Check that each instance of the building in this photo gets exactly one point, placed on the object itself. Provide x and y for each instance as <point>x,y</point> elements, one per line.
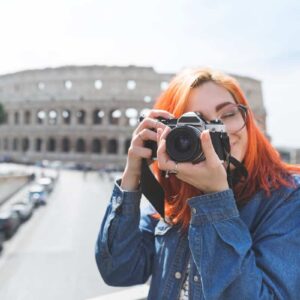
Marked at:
<point>84,115</point>
<point>289,154</point>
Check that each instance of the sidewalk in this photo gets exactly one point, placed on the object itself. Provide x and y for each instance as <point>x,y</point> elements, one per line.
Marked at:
<point>139,292</point>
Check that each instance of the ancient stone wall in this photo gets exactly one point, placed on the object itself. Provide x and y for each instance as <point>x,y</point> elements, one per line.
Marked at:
<point>84,115</point>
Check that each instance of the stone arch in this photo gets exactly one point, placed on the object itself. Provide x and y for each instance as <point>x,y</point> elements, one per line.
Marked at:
<point>27,117</point>
<point>25,144</point>
<point>40,116</point>
<point>80,145</point>
<point>65,144</point>
<point>51,145</point>
<point>15,144</point>
<point>131,115</point>
<point>52,117</point>
<point>16,117</point>
<point>98,116</point>
<point>115,116</point>
<point>80,116</point>
<point>96,146</point>
<point>66,116</point>
<point>38,144</point>
<point>5,143</point>
<point>112,146</point>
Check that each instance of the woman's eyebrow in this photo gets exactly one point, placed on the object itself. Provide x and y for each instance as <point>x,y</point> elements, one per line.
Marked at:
<point>221,105</point>
<point>218,108</point>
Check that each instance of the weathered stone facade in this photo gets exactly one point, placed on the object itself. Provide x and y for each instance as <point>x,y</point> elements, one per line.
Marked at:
<point>289,154</point>
<point>84,114</point>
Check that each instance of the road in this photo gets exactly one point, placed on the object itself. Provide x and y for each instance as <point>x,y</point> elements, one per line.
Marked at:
<point>52,255</point>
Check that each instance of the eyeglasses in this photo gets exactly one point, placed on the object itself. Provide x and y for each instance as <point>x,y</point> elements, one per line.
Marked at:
<point>233,117</point>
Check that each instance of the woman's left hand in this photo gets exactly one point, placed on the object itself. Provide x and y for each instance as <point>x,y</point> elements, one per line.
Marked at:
<point>209,176</point>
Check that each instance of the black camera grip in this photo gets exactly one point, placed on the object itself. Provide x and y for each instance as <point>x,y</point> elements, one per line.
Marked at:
<point>221,144</point>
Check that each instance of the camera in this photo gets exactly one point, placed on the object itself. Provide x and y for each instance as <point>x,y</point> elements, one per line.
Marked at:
<point>183,143</point>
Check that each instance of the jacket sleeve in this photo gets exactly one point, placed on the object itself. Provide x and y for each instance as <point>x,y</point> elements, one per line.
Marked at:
<point>232,263</point>
<point>125,245</point>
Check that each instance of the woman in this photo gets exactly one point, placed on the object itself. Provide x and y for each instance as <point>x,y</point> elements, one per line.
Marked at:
<point>219,242</point>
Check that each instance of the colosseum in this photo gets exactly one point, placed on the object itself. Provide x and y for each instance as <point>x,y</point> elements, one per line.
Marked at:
<point>84,115</point>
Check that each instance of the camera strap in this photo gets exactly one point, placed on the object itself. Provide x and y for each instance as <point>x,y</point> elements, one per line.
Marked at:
<point>239,173</point>
<point>151,189</point>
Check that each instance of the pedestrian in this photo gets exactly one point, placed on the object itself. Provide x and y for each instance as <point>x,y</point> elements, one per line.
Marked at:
<point>230,228</point>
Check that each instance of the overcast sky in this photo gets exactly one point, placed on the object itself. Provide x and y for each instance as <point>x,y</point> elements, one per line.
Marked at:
<point>255,38</point>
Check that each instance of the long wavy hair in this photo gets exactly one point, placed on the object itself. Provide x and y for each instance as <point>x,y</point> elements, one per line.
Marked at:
<point>265,168</point>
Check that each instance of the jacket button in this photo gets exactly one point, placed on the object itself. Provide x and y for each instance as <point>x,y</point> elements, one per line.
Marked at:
<point>177,275</point>
<point>194,210</point>
<point>119,199</point>
<point>196,278</point>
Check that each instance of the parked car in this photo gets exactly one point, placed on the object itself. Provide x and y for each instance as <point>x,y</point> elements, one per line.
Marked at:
<point>54,176</point>
<point>5,158</point>
<point>9,223</point>
<point>47,183</point>
<point>38,195</point>
<point>70,165</point>
<point>55,164</point>
<point>23,208</point>
<point>2,239</point>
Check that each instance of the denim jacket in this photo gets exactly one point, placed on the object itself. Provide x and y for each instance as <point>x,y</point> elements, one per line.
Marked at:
<point>251,252</point>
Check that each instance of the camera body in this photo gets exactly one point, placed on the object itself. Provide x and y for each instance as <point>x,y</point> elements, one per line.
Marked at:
<point>183,143</point>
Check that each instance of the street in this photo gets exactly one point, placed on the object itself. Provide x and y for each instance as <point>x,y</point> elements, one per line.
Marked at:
<point>52,254</point>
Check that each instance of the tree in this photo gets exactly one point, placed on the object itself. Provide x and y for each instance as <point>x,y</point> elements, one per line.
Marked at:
<point>2,114</point>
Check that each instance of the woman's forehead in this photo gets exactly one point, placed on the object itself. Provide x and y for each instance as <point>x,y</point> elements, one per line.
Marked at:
<point>209,97</point>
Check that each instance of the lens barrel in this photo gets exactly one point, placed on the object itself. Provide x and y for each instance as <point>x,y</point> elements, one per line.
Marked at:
<point>183,144</point>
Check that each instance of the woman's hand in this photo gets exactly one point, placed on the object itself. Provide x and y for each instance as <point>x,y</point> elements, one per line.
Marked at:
<point>208,176</point>
<point>137,151</point>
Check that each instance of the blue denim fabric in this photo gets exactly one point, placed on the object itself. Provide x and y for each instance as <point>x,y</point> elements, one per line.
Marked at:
<point>247,253</point>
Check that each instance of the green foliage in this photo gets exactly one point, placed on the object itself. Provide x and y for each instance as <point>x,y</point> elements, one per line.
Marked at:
<point>2,114</point>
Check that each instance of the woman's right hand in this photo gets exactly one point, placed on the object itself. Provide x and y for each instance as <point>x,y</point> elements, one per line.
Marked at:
<point>137,151</point>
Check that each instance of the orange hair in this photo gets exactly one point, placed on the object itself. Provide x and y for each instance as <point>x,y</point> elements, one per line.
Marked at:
<point>265,168</point>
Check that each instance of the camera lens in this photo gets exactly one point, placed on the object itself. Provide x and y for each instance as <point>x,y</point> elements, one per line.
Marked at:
<point>183,144</point>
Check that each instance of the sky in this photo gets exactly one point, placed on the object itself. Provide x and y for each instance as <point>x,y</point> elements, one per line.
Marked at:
<point>259,38</point>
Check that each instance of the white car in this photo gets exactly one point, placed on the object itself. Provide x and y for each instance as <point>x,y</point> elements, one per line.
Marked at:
<point>23,208</point>
<point>47,183</point>
<point>38,194</point>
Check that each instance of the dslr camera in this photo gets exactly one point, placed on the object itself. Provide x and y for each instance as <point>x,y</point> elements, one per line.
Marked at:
<point>183,143</point>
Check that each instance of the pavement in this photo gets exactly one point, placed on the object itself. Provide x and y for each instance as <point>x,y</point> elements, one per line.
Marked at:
<point>51,256</point>
<point>135,293</point>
